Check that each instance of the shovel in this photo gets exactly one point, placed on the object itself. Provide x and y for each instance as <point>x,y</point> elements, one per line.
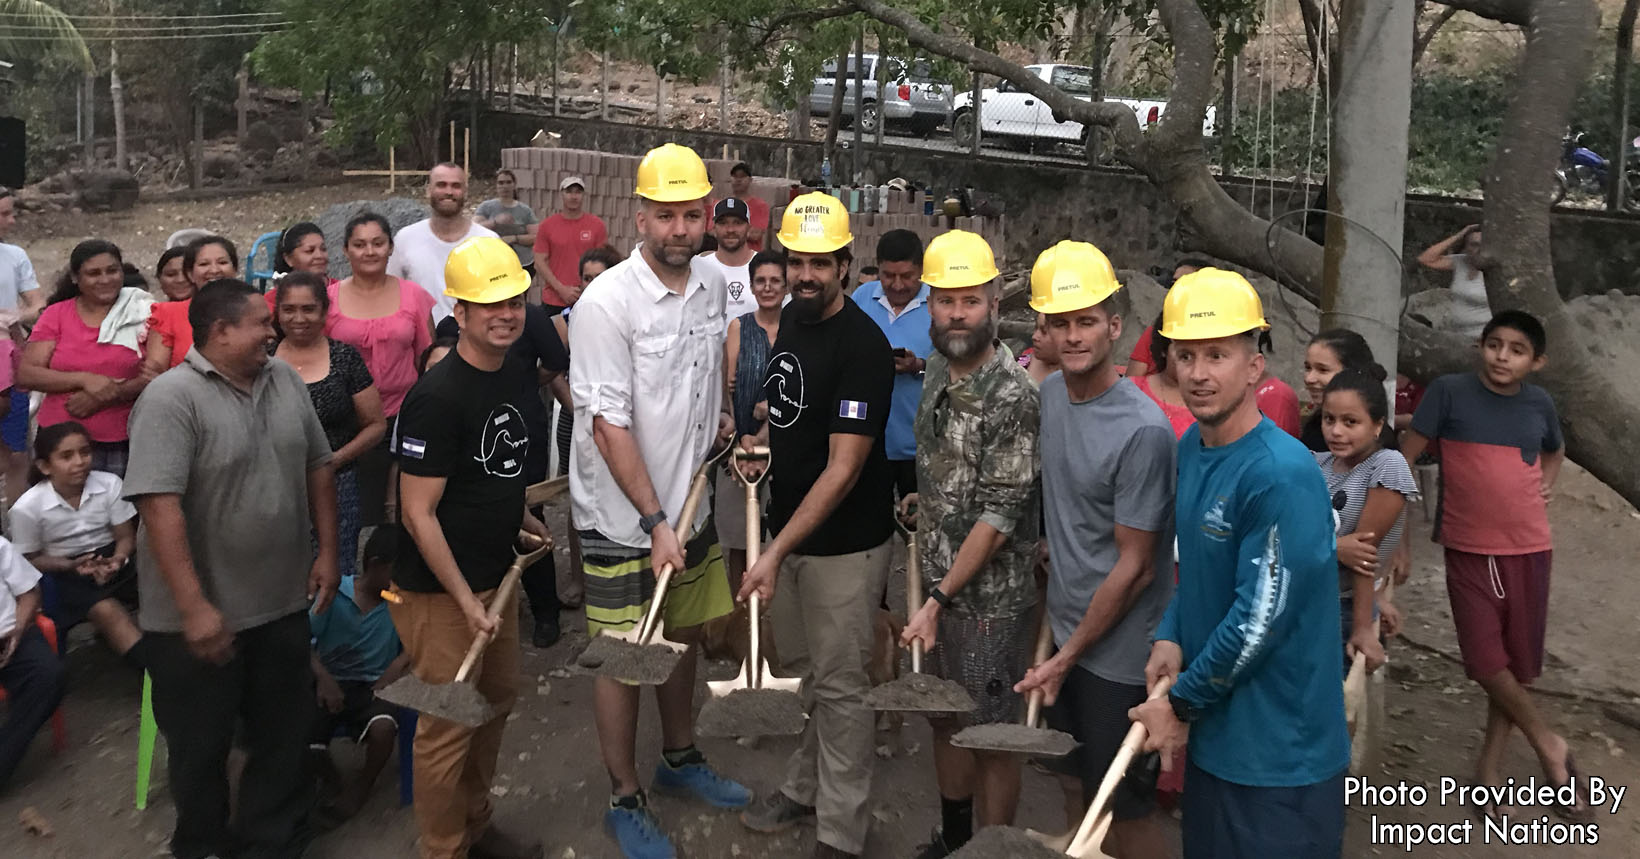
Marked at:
<point>918,692</point>
<point>641,655</point>
<point>1024,738</point>
<point>459,701</point>
<point>756,703</point>
<point>1006,842</point>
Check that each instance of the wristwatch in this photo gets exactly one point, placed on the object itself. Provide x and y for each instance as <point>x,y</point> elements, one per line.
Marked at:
<point>939,596</point>
<point>1182,709</point>
<point>648,523</point>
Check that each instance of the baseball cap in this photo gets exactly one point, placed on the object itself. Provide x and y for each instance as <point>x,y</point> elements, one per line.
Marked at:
<point>572,180</point>
<point>732,206</point>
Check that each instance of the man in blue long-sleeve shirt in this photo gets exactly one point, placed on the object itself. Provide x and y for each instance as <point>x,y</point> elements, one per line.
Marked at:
<point>1248,641</point>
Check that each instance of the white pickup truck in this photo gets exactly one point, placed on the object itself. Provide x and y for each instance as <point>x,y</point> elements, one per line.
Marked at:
<point>1009,112</point>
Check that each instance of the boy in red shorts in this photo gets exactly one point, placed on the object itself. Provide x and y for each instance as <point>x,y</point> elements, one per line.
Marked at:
<point>1500,454</point>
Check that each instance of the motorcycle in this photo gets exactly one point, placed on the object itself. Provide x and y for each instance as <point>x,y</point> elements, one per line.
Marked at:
<point>1580,169</point>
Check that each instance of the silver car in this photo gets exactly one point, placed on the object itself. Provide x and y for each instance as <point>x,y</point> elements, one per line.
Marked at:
<point>911,97</point>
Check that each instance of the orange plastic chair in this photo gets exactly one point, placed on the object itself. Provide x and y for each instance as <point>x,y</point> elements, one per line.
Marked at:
<point>59,729</point>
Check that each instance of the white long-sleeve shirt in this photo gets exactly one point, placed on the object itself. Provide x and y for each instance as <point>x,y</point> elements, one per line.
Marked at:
<point>650,360</point>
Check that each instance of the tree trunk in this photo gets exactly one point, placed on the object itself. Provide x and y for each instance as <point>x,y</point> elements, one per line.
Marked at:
<point>242,101</point>
<point>835,117</point>
<point>1367,176</point>
<point>90,118</point>
<point>116,93</point>
<point>1227,109</point>
<point>196,176</point>
<point>1599,406</point>
<point>1617,191</point>
<point>859,101</point>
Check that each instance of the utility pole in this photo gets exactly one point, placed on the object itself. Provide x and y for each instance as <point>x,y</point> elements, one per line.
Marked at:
<point>1617,190</point>
<point>1367,178</point>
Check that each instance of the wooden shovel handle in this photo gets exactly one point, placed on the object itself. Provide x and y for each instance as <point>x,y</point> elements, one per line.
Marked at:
<point>503,595</point>
<point>684,528</point>
<point>1044,646</point>
<point>1096,820</point>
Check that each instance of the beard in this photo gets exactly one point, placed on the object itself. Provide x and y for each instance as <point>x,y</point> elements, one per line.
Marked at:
<point>448,206</point>
<point>959,344</point>
<point>675,255</point>
<point>1215,418</point>
<point>805,308</point>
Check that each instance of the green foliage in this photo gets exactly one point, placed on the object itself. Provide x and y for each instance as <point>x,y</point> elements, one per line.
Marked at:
<point>387,63</point>
<point>31,28</point>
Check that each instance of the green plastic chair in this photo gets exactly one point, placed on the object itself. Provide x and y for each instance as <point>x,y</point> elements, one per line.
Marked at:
<point>146,733</point>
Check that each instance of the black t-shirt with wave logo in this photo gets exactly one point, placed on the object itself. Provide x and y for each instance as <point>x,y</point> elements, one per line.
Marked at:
<point>832,376</point>
<point>461,423</point>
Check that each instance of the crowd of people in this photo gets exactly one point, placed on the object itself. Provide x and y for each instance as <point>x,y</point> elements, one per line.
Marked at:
<point>1208,558</point>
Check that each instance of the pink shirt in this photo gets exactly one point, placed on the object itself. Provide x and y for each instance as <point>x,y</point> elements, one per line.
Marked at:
<point>8,363</point>
<point>77,351</point>
<point>389,344</point>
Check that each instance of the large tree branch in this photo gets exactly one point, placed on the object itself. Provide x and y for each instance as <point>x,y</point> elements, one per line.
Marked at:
<point>1517,12</point>
<point>1420,41</point>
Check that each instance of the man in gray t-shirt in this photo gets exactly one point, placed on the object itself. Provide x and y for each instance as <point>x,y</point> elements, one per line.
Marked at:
<point>1108,474</point>
<point>229,469</point>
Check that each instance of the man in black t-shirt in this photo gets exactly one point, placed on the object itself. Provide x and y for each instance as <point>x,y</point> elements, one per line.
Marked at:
<point>543,357</point>
<point>462,444</point>
<point>829,385</point>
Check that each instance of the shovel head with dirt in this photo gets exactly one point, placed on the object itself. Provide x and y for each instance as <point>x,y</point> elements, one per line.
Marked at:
<point>918,692</point>
<point>642,655</point>
<point>756,703</point>
<point>1026,738</point>
<point>459,701</point>
<point>1005,842</point>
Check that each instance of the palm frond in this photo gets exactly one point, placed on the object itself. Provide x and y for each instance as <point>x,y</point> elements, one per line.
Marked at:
<point>46,27</point>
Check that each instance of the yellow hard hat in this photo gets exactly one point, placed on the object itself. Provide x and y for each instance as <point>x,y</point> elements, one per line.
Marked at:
<point>957,259</point>
<point>672,174</point>
<point>1071,276</point>
<point>814,223</point>
<point>484,270</point>
<point>1210,303</point>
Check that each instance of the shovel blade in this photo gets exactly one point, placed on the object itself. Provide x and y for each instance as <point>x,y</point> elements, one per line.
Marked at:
<point>752,713</point>
<point>456,702</point>
<point>621,657</point>
<point>1015,738</point>
<point>920,693</point>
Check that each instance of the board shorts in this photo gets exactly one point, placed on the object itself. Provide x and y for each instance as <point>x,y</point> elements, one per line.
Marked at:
<point>1500,608</point>
<point>73,595</point>
<point>360,709</point>
<point>1095,711</point>
<point>1225,820</point>
<point>986,656</point>
<point>620,581</point>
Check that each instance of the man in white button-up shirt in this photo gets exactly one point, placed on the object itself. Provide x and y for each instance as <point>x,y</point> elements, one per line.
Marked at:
<point>647,384</point>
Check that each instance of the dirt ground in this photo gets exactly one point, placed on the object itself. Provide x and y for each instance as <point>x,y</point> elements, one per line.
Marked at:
<point>552,785</point>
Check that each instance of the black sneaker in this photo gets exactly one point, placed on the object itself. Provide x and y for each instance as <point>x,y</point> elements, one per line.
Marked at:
<point>546,633</point>
<point>935,848</point>
<point>776,812</point>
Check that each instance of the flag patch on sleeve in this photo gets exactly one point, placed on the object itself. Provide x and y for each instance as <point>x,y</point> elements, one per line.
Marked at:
<point>413,448</point>
<point>851,409</point>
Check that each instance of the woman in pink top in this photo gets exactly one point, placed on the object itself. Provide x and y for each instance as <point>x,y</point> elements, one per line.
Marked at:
<point>390,322</point>
<point>94,383</point>
<point>1160,385</point>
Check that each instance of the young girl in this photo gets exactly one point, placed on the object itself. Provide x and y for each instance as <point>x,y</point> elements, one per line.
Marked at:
<point>73,526</point>
<point>1370,488</point>
<point>1329,352</point>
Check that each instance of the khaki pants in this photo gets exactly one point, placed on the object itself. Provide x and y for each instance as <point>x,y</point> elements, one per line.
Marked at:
<point>455,764</point>
<point>822,615</point>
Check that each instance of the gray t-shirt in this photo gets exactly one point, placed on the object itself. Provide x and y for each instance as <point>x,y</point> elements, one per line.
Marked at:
<point>508,221</point>
<point>16,276</point>
<point>1106,462</point>
<point>240,462</point>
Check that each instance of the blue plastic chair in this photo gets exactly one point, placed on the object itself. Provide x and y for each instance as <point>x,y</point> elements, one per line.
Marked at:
<point>258,273</point>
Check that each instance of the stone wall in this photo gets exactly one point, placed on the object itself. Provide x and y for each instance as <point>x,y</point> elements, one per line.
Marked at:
<point>1117,210</point>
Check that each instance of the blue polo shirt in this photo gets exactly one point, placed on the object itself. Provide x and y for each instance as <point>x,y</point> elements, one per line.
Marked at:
<point>908,330</point>
<point>354,646</point>
<point>1256,611</point>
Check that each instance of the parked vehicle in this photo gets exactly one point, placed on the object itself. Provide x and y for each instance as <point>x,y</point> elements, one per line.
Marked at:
<point>1583,170</point>
<point>1007,111</point>
<point>911,97</point>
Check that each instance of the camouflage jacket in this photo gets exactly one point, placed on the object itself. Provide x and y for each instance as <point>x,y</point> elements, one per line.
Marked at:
<point>978,461</point>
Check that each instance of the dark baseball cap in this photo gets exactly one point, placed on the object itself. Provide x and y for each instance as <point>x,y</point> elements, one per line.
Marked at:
<point>731,207</point>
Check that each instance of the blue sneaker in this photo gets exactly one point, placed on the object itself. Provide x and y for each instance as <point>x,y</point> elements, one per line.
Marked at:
<point>702,782</point>
<point>638,833</point>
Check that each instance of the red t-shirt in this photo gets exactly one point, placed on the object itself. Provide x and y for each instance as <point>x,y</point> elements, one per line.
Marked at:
<point>169,320</point>
<point>1279,403</point>
<point>561,241</point>
<point>1141,349</point>
<point>1178,416</point>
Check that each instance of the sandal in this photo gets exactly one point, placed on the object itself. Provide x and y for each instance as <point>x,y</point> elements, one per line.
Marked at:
<point>1578,811</point>
<point>1487,808</point>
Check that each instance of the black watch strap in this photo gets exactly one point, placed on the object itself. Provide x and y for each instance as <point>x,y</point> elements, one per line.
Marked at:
<point>940,597</point>
<point>1182,709</point>
<point>648,523</point>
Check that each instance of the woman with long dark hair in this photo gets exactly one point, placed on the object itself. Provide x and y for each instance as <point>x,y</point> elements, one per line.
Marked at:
<point>84,377</point>
<point>170,335</point>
